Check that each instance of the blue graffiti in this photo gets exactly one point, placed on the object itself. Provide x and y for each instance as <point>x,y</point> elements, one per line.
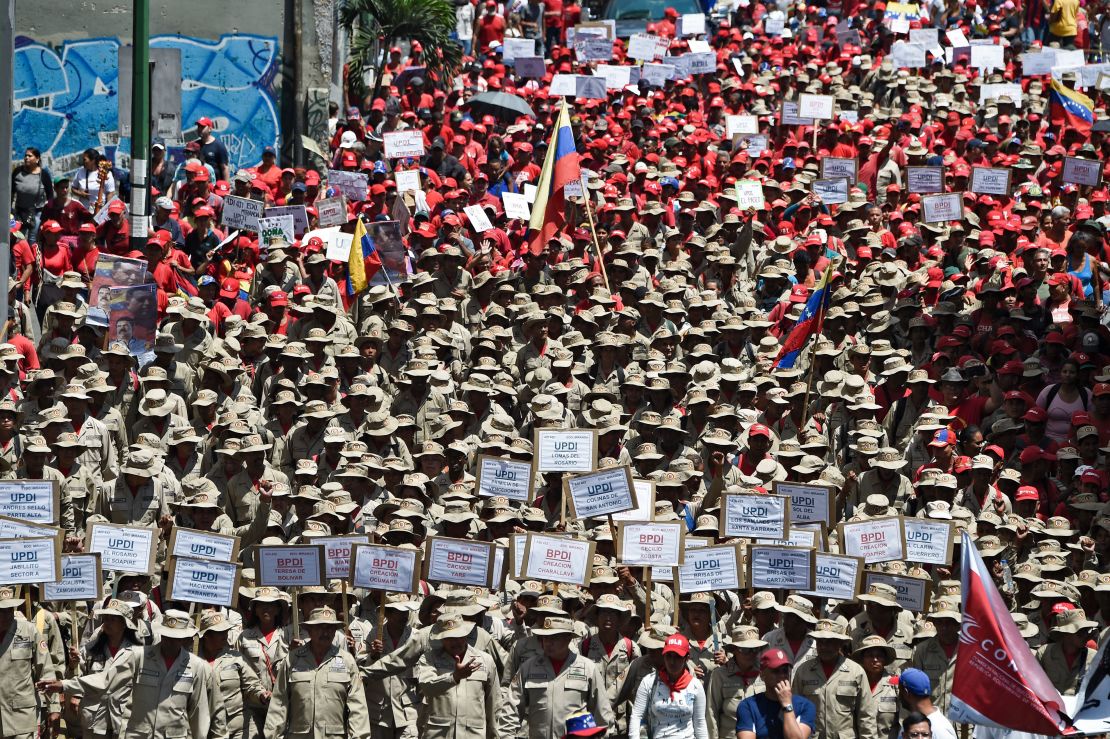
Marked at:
<point>66,99</point>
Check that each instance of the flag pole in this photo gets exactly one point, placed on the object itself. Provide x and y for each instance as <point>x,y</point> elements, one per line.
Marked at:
<point>820,322</point>
<point>396,295</point>
<point>593,232</point>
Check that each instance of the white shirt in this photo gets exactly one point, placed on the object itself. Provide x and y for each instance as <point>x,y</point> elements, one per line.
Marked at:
<point>681,716</point>
<point>941,727</point>
<point>90,183</point>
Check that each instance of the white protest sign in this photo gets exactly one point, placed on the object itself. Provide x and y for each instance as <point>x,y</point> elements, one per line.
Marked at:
<point>203,581</point>
<point>875,539</point>
<point>80,579</point>
<point>988,57</point>
<point>645,503</point>
<point>659,543</point>
<point>789,568</point>
<point>123,548</point>
<point>337,244</point>
<point>644,47</point>
<point>616,77</point>
<point>516,206</point>
<point>564,85</point>
<point>241,213</point>
<point>831,192</point>
<point>755,516</point>
<point>691,24</point>
<point>709,568</point>
<point>1068,59</point>
<point>352,184</point>
<point>558,559</point>
<point>518,545</point>
<point>907,55</point>
<point>941,208</point>
<point>337,554</point>
<point>837,167</point>
<point>14,528</point>
<point>512,47</point>
<point>929,542</point>
<point>203,545</point>
<point>735,124</point>
<point>588,87</point>
<point>407,179</point>
<point>990,180</point>
<point>956,38</point>
<point>530,67</point>
<point>459,561</point>
<point>600,493</point>
<point>1080,171</point>
<point>753,143</point>
<point>37,501</point>
<point>272,227</point>
<point>927,37</point>
<point>479,221</point>
<point>101,216</point>
<point>749,194</point>
<point>565,450</point>
<point>298,212</point>
<point>331,211</point>
<point>925,179</point>
<point>816,107</point>
<point>1037,63</point>
<point>913,592</point>
<point>504,477</point>
<point>593,49</point>
<point>774,26</point>
<point>34,560</point>
<point>379,567</point>
<point>699,45</point>
<point>791,116</point>
<point>297,566</point>
<point>798,537</point>
<point>656,74</point>
<point>996,90</point>
<point>837,576</point>
<point>808,503</point>
<point>530,191</point>
<point>403,144</point>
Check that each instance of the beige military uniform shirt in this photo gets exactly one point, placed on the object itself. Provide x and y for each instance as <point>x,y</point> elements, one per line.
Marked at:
<point>845,705</point>
<point>726,688</point>
<point>391,697</point>
<point>100,713</point>
<point>463,710</point>
<point>929,657</point>
<point>776,639</point>
<point>239,686</point>
<point>24,660</point>
<point>142,508</point>
<point>540,700</point>
<point>242,492</point>
<point>1064,677</point>
<point>885,693</point>
<point>316,701</point>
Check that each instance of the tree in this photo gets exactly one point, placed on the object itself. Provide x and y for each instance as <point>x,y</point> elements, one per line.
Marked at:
<point>375,25</point>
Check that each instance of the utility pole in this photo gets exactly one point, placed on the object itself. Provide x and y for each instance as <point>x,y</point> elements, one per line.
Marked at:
<point>7,52</point>
<point>140,125</point>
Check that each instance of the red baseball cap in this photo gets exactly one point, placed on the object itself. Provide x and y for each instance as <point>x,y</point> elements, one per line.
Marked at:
<point>229,288</point>
<point>677,644</point>
<point>799,294</point>
<point>758,429</point>
<point>279,298</point>
<point>205,121</point>
<point>773,659</point>
<point>1027,492</point>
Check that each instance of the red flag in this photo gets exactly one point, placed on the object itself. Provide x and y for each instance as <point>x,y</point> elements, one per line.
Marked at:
<point>998,681</point>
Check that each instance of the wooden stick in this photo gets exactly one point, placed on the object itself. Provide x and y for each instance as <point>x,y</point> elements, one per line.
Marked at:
<point>381,616</point>
<point>27,595</point>
<point>75,637</point>
<point>593,232</point>
<point>346,608</point>
<point>296,619</point>
<point>647,600</point>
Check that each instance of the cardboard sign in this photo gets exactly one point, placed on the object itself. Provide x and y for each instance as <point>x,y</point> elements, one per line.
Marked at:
<point>479,221</point>
<point>511,48</point>
<point>14,528</point>
<point>378,567</point>
<point>838,576</point>
<point>831,192</point>
<point>942,208</point>
<point>789,568</point>
<point>990,180</point>
<point>907,56</point>
<point>123,548</point>
<point>459,561</point>
<point>516,206</point>
<point>749,194</point>
<point>837,167</point>
<point>656,75</point>
<point>913,592</point>
<point>530,67</point>
<point>928,541</point>
<point>1037,63</point>
<point>558,559</point>
<point>815,107</point>
<point>691,24</point>
<point>753,143</point>
<point>404,144</point>
<point>290,566</point>
<point>996,90</point>
<point>593,49</point>
<point>506,477</point>
<point>589,87</point>
<point>36,560</point>
<point>616,76</point>
<point>807,538</point>
<point>600,493</point>
<point>518,546</point>
<point>774,26</point>
<point>353,185</point>
<point>203,581</point>
<point>925,179</point>
<point>736,124</point>
<point>755,516</point>
<point>987,57</point>
<point>659,543</point>
<point>273,227</point>
<point>407,180</point>
<point>298,212</point>
<point>337,554</point>
<point>700,62</point>
<point>1080,171</point>
<point>337,244</point>
<point>80,579</point>
<point>332,211</point>
<point>38,501</point>
<point>565,450</point>
<point>241,213</point>
<point>645,503</point>
<point>808,503</point>
<point>196,544</point>
<point>791,116</point>
<point>709,568</point>
<point>644,47</point>
<point>875,540</point>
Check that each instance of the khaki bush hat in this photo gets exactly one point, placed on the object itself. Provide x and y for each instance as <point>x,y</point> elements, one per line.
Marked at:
<point>176,625</point>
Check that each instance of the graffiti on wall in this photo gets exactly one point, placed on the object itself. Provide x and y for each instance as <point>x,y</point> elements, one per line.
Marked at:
<point>66,98</point>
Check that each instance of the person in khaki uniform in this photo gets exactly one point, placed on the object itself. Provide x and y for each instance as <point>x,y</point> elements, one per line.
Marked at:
<point>239,685</point>
<point>549,689</point>
<point>115,637</point>
<point>936,656</point>
<point>317,690</point>
<point>1067,657</point>
<point>884,617</point>
<point>263,646</point>
<point>845,706</point>
<point>608,648</point>
<point>173,693</point>
<point>462,695</point>
<point>733,681</point>
<point>24,660</point>
<point>391,698</point>
<point>875,655</point>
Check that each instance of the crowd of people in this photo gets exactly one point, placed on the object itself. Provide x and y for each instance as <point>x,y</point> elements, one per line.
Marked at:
<point>719,340</point>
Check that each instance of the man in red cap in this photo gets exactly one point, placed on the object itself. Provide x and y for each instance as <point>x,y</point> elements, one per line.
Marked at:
<point>212,151</point>
<point>776,713</point>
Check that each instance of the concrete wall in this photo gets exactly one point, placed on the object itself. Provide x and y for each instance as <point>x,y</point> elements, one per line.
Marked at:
<point>239,66</point>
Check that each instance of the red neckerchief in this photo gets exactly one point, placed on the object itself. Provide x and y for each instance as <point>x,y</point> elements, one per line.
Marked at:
<point>680,684</point>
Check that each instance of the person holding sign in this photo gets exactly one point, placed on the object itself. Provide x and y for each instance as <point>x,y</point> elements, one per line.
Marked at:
<point>318,691</point>
<point>837,686</point>
<point>670,702</point>
<point>239,684</point>
<point>462,694</point>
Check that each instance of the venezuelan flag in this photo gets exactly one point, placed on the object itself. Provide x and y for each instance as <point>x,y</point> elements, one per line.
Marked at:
<point>1070,108</point>
<point>363,260</point>
<point>809,323</point>
<point>560,166</point>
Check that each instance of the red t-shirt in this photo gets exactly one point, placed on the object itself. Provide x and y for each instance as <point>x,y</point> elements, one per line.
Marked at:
<point>57,260</point>
<point>490,28</point>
